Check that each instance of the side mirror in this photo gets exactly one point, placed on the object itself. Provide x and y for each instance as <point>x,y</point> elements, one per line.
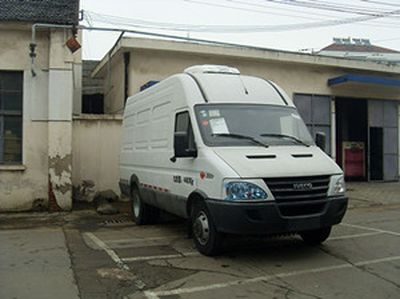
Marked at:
<point>181,146</point>
<point>320,140</point>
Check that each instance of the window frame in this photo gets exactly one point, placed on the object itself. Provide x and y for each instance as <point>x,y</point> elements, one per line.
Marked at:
<point>189,130</point>
<point>11,113</point>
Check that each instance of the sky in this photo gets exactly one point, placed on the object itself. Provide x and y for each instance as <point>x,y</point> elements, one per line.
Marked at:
<point>293,25</point>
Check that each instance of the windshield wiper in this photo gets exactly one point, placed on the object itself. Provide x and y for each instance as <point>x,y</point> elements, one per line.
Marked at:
<point>285,136</point>
<point>240,136</point>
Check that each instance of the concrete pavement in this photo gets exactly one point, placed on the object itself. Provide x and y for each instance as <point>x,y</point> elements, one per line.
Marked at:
<point>34,264</point>
<point>84,255</point>
<point>364,194</point>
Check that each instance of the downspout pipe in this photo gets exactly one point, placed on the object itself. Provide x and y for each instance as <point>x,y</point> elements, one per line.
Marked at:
<point>127,58</point>
<point>33,45</point>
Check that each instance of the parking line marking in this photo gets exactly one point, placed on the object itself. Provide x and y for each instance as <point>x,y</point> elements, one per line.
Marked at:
<point>152,257</point>
<point>371,229</point>
<point>354,236</point>
<point>158,257</point>
<point>157,294</point>
<point>142,239</point>
<point>108,250</point>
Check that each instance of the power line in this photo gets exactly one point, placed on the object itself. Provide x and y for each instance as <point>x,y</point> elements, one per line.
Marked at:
<point>246,9</point>
<point>380,2</point>
<point>113,20</point>
<point>330,7</point>
<point>279,3</point>
<point>174,37</point>
<point>273,7</point>
<point>266,6</point>
<point>347,5</point>
<point>335,5</point>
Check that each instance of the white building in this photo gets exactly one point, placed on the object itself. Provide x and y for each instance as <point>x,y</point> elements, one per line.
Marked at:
<point>37,94</point>
<point>354,102</point>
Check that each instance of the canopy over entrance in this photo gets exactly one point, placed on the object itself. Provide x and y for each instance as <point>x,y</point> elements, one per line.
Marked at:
<point>348,78</point>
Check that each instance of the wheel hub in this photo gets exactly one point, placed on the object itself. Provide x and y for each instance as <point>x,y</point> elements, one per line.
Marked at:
<point>201,229</point>
<point>136,205</point>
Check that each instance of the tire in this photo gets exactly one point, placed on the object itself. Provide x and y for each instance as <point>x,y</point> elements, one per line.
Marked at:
<point>206,238</point>
<point>142,213</point>
<point>316,237</point>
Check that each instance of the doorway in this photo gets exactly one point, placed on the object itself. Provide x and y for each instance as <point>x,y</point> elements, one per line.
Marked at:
<point>352,137</point>
<point>376,153</point>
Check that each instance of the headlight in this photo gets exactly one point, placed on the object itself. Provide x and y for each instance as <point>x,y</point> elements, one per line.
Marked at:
<point>237,191</point>
<point>337,185</point>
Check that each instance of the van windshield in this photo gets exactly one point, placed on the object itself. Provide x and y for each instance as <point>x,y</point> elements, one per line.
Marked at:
<point>244,125</point>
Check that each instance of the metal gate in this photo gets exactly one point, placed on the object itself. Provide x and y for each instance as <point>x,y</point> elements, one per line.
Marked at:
<point>383,114</point>
<point>315,110</point>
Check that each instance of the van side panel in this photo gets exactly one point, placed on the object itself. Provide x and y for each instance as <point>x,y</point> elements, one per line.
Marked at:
<point>147,146</point>
<point>147,142</point>
<point>147,137</point>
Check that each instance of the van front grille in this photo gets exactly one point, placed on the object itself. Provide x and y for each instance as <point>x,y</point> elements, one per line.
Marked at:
<point>299,195</point>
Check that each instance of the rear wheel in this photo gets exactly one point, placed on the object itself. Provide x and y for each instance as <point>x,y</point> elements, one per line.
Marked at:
<point>316,237</point>
<point>207,239</point>
<point>142,213</point>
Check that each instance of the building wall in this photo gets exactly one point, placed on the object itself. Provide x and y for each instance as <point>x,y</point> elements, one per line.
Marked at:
<point>95,151</point>
<point>294,78</point>
<point>21,186</point>
<point>14,48</point>
<point>114,86</point>
<point>47,118</point>
<point>146,65</point>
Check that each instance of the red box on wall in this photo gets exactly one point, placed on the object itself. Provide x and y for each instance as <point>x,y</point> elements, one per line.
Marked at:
<point>353,159</point>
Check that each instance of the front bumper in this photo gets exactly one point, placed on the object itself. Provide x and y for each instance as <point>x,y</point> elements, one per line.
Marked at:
<point>270,218</point>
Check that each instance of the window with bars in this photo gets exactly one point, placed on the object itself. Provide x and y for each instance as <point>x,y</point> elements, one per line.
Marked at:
<point>11,117</point>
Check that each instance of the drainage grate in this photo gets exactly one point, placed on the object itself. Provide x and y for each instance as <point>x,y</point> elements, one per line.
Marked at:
<point>116,222</point>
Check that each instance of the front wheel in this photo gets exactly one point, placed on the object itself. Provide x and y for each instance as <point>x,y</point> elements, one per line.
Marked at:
<point>207,239</point>
<point>317,236</point>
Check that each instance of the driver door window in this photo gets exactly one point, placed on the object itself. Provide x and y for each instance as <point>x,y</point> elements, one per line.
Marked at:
<point>183,124</point>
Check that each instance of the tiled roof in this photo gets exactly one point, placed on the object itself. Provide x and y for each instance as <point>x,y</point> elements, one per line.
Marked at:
<point>40,11</point>
<point>357,48</point>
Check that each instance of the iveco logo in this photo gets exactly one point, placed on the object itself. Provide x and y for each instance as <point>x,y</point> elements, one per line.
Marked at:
<point>302,186</point>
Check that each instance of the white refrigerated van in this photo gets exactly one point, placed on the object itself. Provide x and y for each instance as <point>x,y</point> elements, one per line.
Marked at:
<point>231,154</point>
